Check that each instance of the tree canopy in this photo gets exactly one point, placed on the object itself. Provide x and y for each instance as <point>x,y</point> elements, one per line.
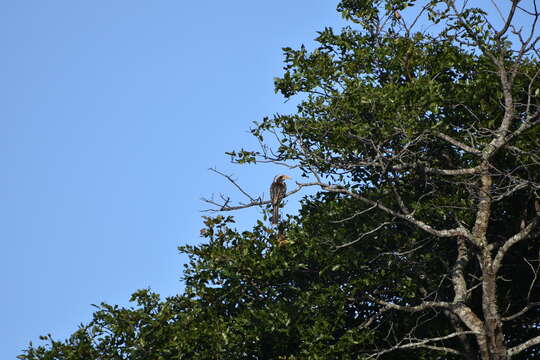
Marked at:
<point>419,125</point>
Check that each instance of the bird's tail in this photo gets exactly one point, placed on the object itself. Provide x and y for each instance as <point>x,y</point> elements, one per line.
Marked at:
<point>275,214</point>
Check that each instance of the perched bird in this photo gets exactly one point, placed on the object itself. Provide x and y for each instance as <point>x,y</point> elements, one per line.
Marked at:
<point>278,189</point>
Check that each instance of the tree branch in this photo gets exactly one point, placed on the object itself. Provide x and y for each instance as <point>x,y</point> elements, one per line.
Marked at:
<point>363,235</point>
<point>521,312</point>
<point>458,278</point>
<point>228,177</point>
<point>411,309</point>
<point>524,346</point>
<point>523,234</point>
<point>423,343</point>
<point>499,34</point>
<point>458,144</point>
<point>459,231</point>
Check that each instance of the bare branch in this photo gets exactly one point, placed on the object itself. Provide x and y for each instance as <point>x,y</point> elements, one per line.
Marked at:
<point>533,281</point>
<point>232,181</point>
<point>524,346</point>
<point>522,311</point>
<point>363,235</point>
<point>508,20</point>
<point>432,170</point>
<point>423,343</point>
<point>459,231</point>
<point>257,202</point>
<point>358,213</point>
<point>458,277</point>
<point>523,234</point>
<point>425,305</point>
<point>458,144</point>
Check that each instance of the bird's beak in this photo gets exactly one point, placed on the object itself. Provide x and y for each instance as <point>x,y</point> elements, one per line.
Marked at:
<point>287,177</point>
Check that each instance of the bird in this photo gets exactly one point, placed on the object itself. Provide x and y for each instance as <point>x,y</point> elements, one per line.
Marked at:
<point>278,189</point>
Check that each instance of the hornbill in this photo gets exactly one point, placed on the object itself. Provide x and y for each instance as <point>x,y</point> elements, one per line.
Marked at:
<point>278,189</point>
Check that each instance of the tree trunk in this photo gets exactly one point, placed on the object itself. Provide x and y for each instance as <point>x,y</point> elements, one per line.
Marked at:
<point>496,348</point>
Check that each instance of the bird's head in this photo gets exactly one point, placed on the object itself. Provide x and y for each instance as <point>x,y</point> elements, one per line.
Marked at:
<point>282,178</point>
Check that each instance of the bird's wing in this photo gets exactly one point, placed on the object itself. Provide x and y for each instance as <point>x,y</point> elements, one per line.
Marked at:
<point>274,192</point>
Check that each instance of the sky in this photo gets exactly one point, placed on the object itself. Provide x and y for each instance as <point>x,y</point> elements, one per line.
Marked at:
<point>111,113</point>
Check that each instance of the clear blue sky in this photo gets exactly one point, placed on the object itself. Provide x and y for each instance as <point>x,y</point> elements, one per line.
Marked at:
<point>111,112</point>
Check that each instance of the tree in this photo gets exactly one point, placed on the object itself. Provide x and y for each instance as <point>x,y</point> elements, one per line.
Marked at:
<point>438,131</point>
<point>423,240</point>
